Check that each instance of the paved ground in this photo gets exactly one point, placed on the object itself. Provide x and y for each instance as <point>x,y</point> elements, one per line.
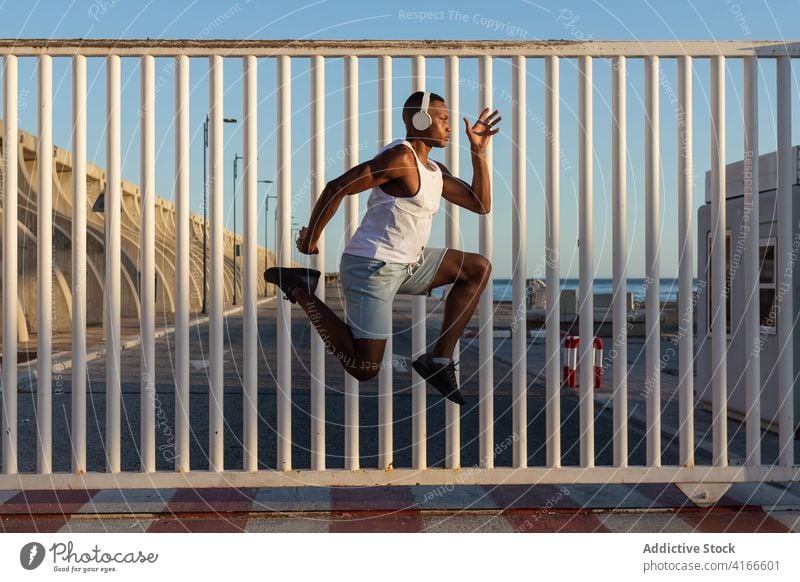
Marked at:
<point>233,406</point>
<point>233,358</point>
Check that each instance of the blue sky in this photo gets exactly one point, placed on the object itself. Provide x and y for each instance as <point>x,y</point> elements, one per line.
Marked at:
<point>510,20</point>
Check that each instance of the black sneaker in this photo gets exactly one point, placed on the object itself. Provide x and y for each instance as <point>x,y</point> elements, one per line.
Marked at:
<point>440,376</point>
<point>289,279</point>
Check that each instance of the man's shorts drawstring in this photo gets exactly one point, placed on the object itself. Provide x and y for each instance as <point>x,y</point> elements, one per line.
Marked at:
<point>418,263</point>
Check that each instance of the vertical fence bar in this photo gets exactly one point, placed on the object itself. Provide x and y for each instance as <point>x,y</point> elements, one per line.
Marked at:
<point>44,250</point>
<point>351,224</point>
<point>718,226</point>
<point>250,263</point>
<point>284,444</point>
<point>10,301</point>
<point>318,262</point>
<point>786,257</point>
<point>685,263</point>
<point>148,259</point>
<point>652,252</point>
<point>182,250</point>
<point>385,376</point>
<point>112,210</point>
<point>486,309</point>
<point>216,372</point>
<point>751,218</point>
<point>452,410</point>
<point>419,387</point>
<point>586,325</point>
<point>519,327</point>
<point>553,261</point>
<point>78,444</point>
<point>384,100</point>
<point>619,188</point>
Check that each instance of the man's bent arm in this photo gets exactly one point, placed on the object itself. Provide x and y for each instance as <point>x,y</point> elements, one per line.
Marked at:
<point>476,197</point>
<point>325,208</point>
<point>386,166</point>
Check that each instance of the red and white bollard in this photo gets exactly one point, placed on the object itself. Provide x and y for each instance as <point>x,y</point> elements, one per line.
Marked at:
<point>570,361</point>
<point>598,362</point>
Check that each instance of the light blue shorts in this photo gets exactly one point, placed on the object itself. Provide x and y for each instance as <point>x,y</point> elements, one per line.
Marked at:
<point>370,286</point>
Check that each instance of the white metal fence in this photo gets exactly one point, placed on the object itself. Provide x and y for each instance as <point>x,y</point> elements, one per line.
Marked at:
<point>217,52</point>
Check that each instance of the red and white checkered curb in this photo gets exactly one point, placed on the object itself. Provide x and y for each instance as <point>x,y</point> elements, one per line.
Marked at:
<point>509,508</point>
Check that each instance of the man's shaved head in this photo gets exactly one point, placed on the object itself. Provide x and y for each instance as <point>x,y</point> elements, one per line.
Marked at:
<point>412,105</point>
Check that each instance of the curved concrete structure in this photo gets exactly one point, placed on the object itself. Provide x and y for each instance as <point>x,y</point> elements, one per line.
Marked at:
<point>165,219</point>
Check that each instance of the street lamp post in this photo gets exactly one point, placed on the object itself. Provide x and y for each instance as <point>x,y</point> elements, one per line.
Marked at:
<point>295,230</point>
<point>236,159</point>
<point>266,223</point>
<point>205,203</point>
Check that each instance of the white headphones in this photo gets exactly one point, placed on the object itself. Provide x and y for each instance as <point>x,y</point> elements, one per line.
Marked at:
<point>421,119</point>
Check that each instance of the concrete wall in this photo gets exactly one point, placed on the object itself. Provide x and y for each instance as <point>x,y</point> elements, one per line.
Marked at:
<point>165,218</point>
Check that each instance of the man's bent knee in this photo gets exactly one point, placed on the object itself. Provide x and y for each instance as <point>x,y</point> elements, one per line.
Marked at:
<point>486,265</point>
<point>480,269</point>
<point>368,360</point>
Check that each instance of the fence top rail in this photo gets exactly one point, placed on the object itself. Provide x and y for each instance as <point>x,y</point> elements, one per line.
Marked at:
<point>397,48</point>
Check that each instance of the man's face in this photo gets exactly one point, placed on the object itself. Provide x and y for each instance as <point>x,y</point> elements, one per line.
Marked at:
<point>438,134</point>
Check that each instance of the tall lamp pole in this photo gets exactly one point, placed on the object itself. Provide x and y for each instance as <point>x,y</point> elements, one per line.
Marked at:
<point>266,223</point>
<point>295,229</point>
<point>205,203</point>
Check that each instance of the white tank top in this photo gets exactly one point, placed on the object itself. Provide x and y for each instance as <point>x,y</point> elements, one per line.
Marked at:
<point>396,229</point>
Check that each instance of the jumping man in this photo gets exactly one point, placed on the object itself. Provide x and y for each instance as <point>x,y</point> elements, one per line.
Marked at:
<point>387,254</point>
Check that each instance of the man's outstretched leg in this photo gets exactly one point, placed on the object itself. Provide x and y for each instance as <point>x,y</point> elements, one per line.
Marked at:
<point>468,273</point>
<point>361,358</point>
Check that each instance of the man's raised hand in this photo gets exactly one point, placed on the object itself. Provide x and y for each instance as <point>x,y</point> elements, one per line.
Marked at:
<point>483,129</point>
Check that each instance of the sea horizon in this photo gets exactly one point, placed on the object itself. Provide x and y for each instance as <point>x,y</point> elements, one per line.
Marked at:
<point>668,291</point>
